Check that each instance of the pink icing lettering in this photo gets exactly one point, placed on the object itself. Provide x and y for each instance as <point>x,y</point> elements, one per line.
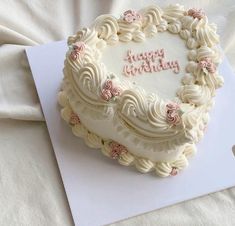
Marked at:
<point>128,56</point>
<point>126,70</point>
<point>160,53</point>
<point>149,63</point>
<point>144,56</point>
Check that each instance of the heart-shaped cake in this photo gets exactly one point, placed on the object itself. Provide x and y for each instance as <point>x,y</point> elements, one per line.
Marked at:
<point>140,87</point>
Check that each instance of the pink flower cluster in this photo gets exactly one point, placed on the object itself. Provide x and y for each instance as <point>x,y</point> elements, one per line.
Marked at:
<point>172,115</point>
<point>130,16</point>
<point>117,150</point>
<point>207,64</point>
<point>174,171</point>
<point>74,119</point>
<point>196,13</point>
<point>109,90</point>
<point>78,49</point>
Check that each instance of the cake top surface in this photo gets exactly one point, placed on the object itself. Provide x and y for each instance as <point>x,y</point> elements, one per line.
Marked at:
<point>155,65</point>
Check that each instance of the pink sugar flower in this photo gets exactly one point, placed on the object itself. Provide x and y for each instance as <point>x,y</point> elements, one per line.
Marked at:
<point>74,119</point>
<point>106,94</point>
<point>114,145</point>
<point>206,63</point>
<point>73,55</point>
<point>130,16</point>
<point>174,171</point>
<point>172,113</point>
<point>117,150</point>
<point>129,12</point>
<point>173,118</point>
<point>79,47</point>
<point>108,84</point>
<point>109,90</point>
<point>196,13</point>
<point>202,64</point>
<point>172,106</point>
<point>211,67</point>
<point>116,91</point>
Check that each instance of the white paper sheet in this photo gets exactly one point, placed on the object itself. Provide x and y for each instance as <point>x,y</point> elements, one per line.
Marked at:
<point>101,191</point>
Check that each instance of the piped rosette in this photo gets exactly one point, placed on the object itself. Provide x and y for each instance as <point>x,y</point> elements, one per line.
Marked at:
<point>130,26</point>
<point>110,90</point>
<point>173,114</point>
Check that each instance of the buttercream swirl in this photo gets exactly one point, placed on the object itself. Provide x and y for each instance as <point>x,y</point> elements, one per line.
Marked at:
<point>86,35</point>
<point>150,30</point>
<point>62,98</point>
<point>205,51</point>
<point>107,28</point>
<point>66,113</point>
<point>79,130</point>
<point>132,104</point>
<point>174,27</point>
<point>148,119</point>
<point>173,12</point>
<point>192,55</point>
<point>126,159</point>
<point>152,15</point>
<point>188,79</point>
<point>162,26</point>
<point>207,36</point>
<point>190,150</point>
<point>194,94</point>
<point>192,43</point>
<point>87,79</point>
<point>163,169</point>
<point>144,165</point>
<point>185,34</point>
<point>192,24</point>
<point>93,141</point>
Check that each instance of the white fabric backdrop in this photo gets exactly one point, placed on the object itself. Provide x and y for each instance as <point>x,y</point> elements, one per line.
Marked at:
<point>31,191</point>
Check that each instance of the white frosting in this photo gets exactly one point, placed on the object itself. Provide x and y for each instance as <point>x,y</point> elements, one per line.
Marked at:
<point>143,165</point>
<point>136,111</point>
<point>107,28</point>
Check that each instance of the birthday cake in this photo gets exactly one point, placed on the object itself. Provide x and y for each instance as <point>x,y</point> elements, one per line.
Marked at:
<point>140,87</point>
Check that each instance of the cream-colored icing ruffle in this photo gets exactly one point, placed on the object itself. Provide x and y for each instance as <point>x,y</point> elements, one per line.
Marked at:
<point>162,169</point>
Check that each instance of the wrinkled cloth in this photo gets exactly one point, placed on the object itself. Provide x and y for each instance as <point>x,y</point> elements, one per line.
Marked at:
<point>31,190</point>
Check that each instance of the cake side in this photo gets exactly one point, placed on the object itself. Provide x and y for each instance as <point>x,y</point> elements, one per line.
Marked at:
<point>149,126</point>
<point>118,152</point>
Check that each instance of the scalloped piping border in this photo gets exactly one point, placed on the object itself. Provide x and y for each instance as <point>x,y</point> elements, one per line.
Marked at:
<point>143,165</point>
